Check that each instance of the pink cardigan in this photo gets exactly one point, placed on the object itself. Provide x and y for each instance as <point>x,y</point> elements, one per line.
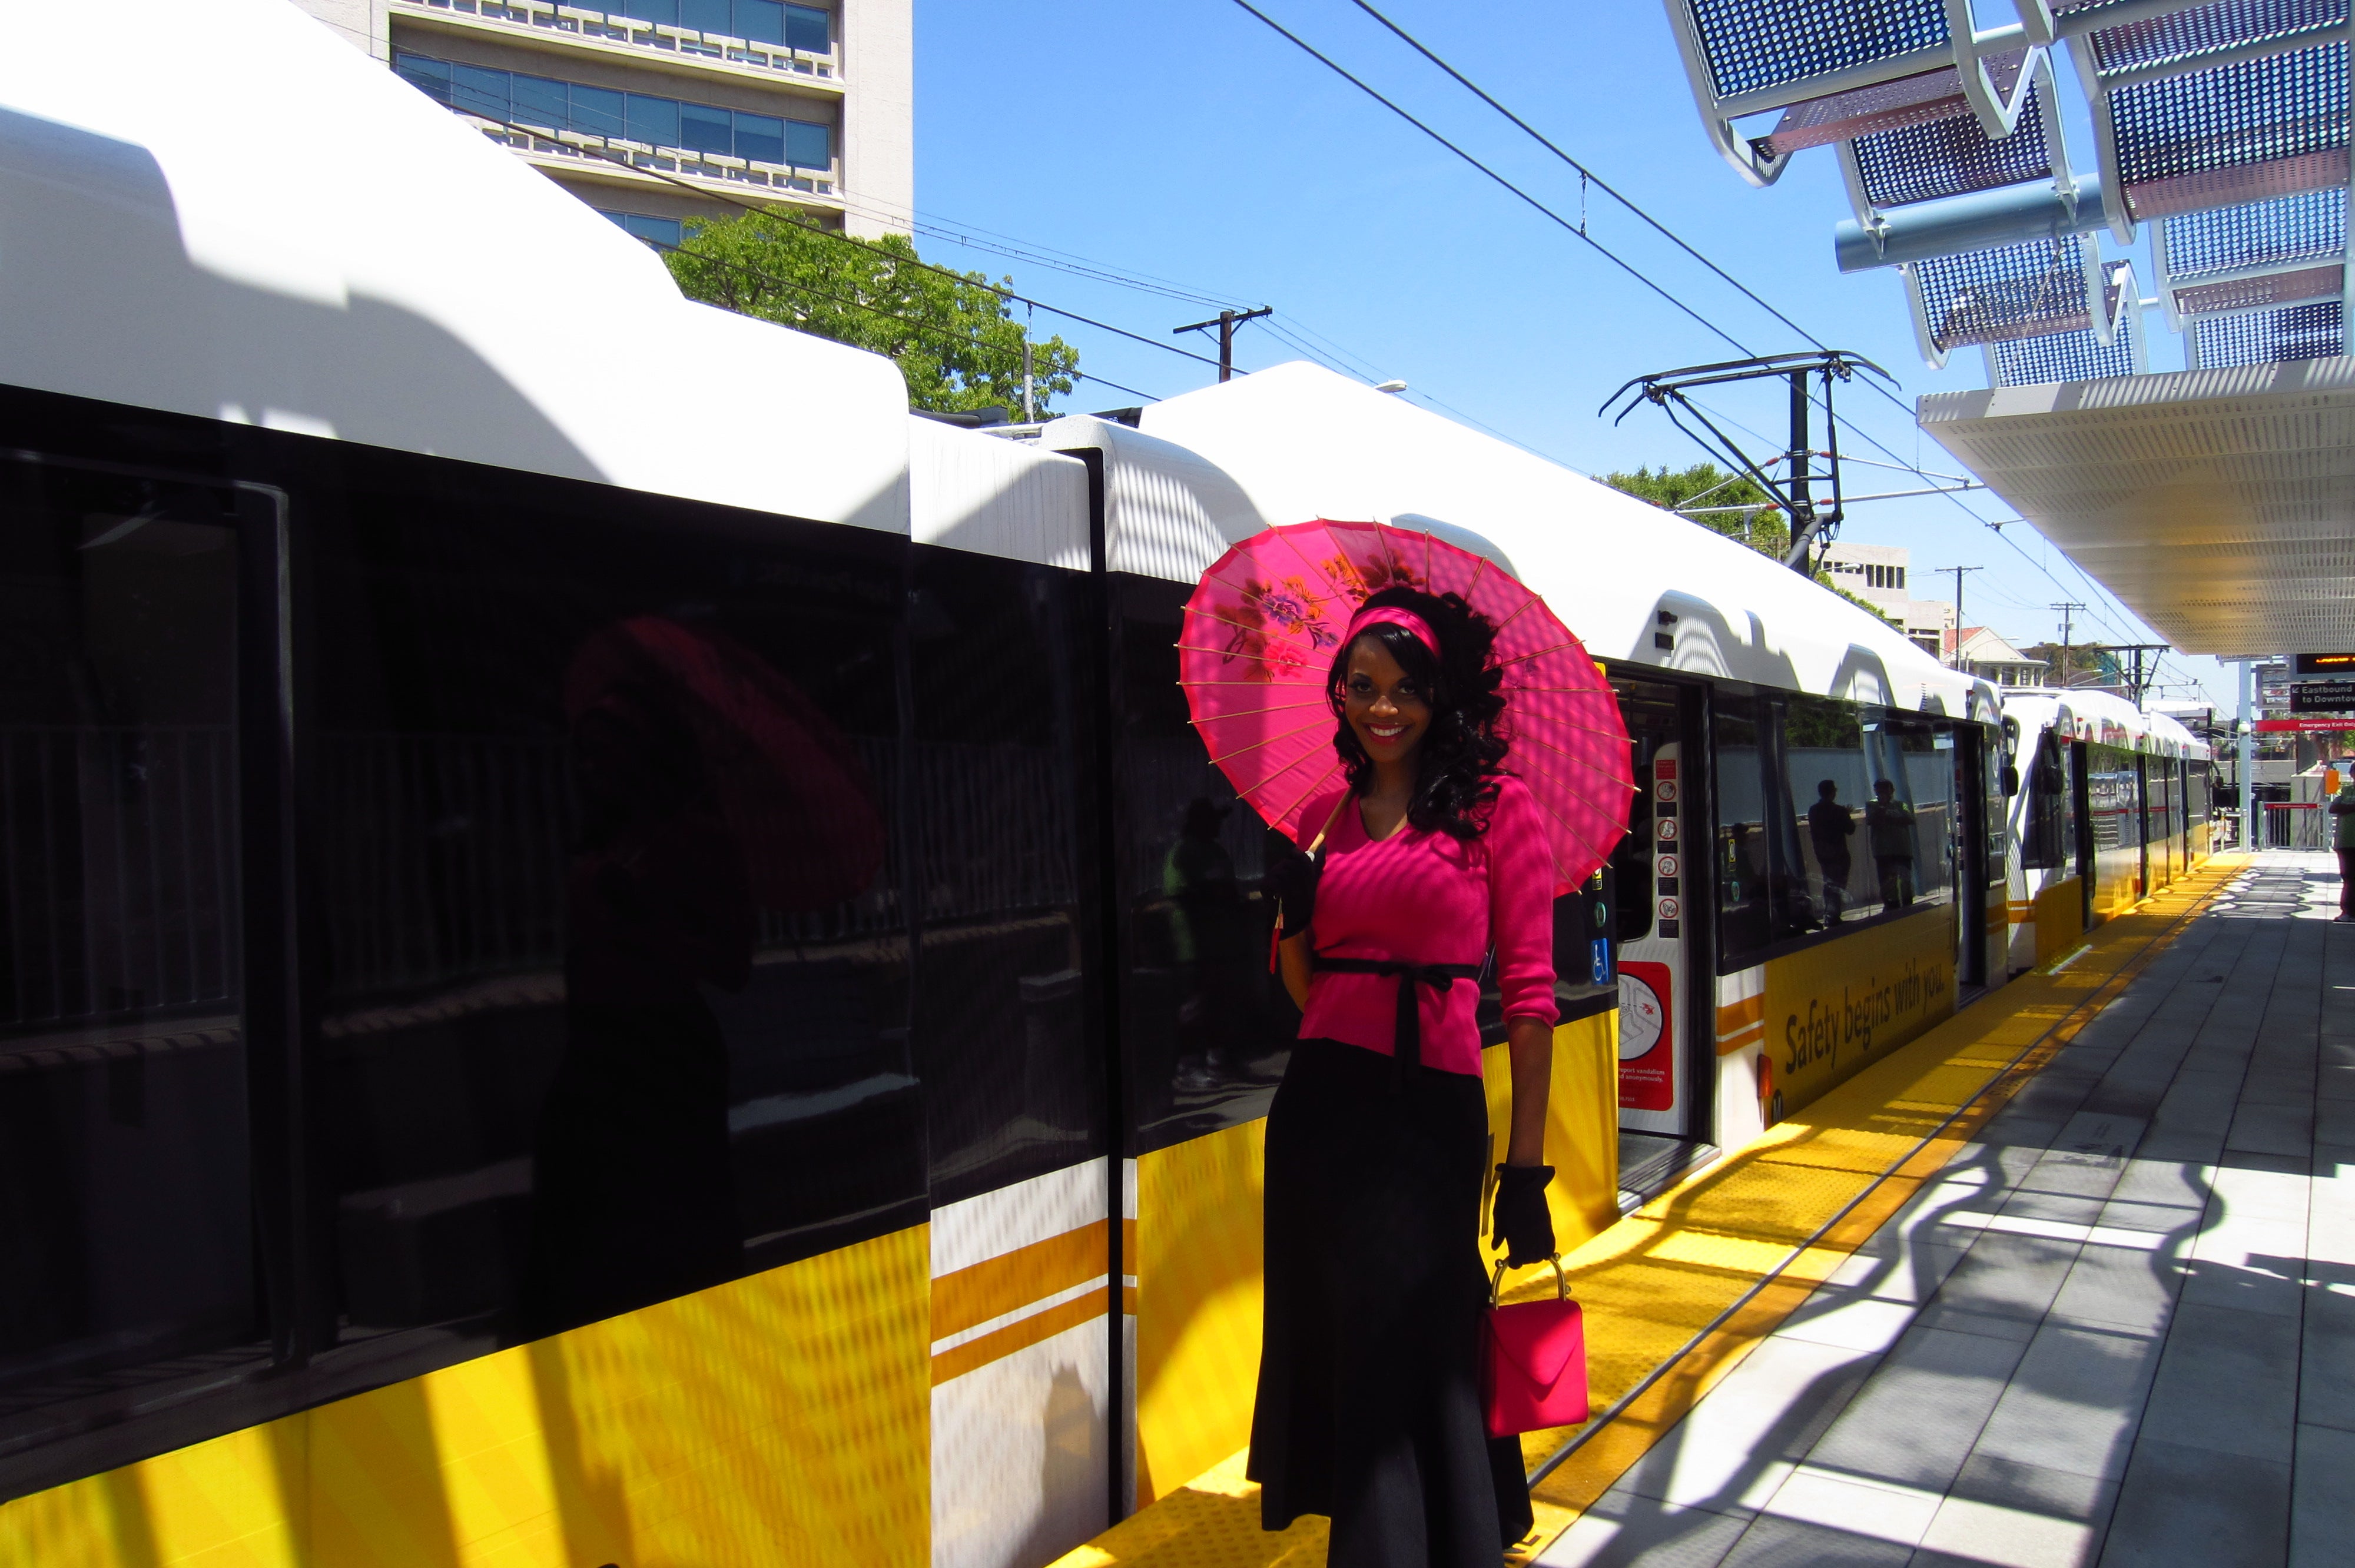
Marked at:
<point>1429,898</point>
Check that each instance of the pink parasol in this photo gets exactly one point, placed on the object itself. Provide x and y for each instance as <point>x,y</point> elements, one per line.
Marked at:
<point>1264,623</point>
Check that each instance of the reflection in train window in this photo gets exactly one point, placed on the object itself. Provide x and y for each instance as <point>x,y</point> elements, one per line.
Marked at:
<point>127,1258</point>
<point>616,987</point>
<point>2114,790</point>
<point>1208,1029</point>
<point>1828,814</point>
<point>1831,774</point>
<point>1744,866</point>
<point>2048,839</point>
<point>1012,1087</point>
<point>1654,715</point>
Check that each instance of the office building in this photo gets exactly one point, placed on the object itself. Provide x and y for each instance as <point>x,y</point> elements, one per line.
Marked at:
<point>1877,574</point>
<point>658,112</point>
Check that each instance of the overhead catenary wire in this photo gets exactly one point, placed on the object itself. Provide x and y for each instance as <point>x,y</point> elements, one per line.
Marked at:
<point>1600,248</point>
<point>1587,176</point>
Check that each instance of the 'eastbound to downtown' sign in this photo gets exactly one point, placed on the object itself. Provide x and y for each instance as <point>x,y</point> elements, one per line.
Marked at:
<point>2322,697</point>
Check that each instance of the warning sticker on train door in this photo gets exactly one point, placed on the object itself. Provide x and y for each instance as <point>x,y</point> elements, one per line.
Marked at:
<point>1648,1053</point>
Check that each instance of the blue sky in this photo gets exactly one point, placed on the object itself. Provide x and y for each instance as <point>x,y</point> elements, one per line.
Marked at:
<point>1185,140</point>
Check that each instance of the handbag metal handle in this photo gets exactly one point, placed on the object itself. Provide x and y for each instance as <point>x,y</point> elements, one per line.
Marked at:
<point>1561,1280</point>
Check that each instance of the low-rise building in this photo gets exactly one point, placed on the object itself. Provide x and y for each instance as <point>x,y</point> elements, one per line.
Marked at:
<point>1984,653</point>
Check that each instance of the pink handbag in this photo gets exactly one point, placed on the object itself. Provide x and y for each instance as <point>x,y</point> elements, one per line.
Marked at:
<point>1533,1361</point>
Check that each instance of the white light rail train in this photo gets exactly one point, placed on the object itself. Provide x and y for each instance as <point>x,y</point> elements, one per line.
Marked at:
<point>618,951</point>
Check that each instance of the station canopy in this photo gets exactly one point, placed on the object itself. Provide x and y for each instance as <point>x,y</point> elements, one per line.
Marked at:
<point>2222,127</point>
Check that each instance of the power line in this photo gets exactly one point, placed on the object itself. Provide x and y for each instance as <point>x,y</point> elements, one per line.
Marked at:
<point>1587,175</point>
<point>938,332</point>
<point>606,156</point>
<point>1584,174</point>
<point>956,231</point>
<point>1600,248</point>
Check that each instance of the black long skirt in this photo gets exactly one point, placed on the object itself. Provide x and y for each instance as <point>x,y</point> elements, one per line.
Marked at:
<point>1369,1378</point>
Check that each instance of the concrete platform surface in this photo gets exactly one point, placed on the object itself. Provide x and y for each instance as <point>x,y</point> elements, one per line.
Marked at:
<point>2116,1330</point>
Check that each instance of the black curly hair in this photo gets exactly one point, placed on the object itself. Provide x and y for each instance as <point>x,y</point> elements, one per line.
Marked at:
<point>1463,752</point>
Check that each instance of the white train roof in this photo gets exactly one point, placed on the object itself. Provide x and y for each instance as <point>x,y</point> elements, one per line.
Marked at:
<point>997,497</point>
<point>2102,718</point>
<point>222,208</point>
<point>1297,441</point>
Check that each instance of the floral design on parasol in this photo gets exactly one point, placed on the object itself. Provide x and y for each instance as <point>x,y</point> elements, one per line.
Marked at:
<point>1260,633</point>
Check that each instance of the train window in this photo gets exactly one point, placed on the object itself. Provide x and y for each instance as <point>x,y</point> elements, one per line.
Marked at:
<point>2048,839</point>
<point>1802,779</point>
<point>1013,1086</point>
<point>1996,755</point>
<point>1916,839</point>
<point>1654,715</point>
<point>1206,1029</point>
<point>2114,795</point>
<point>1829,780</point>
<point>615,995</point>
<point>1761,887</point>
<point>126,1213</point>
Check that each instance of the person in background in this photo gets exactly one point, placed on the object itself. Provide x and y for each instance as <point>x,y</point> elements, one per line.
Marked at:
<point>1209,931</point>
<point>2342,839</point>
<point>1831,825</point>
<point>1891,821</point>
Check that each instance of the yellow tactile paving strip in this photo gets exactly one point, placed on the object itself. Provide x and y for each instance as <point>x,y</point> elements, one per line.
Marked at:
<point>1687,1285</point>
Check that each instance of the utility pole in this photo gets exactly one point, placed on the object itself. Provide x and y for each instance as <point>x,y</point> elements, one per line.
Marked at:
<point>2066,624</point>
<point>1226,323</point>
<point>1029,408</point>
<point>1958,572</point>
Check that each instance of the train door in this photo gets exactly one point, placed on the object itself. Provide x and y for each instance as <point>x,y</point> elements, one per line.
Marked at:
<point>1661,900</point>
<point>2081,810</point>
<point>2142,821</point>
<point>1966,847</point>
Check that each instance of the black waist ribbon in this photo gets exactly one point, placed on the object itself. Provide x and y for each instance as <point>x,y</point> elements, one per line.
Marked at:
<point>1406,1036</point>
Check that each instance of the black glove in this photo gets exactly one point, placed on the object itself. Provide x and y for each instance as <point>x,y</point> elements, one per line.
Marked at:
<point>1524,1224</point>
<point>1292,878</point>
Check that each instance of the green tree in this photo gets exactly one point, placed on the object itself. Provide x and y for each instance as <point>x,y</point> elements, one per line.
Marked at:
<point>953,336</point>
<point>1763,529</point>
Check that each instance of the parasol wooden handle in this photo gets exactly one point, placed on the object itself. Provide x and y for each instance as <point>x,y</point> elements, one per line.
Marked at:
<point>1275,932</point>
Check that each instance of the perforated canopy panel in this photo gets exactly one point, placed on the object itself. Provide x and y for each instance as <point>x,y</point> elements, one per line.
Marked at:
<point>1755,43</point>
<point>1948,156</point>
<point>1864,111</point>
<point>2181,39</point>
<point>2261,128</point>
<point>2312,223</point>
<point>2013,292</point>
<point>2215,503</point>
<point>2068,357</point>
<point>2301,331</point>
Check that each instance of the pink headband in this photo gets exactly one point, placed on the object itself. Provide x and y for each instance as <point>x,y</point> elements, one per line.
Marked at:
<point>1393,616</point>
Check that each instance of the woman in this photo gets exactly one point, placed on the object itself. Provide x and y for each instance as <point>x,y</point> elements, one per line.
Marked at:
<point>1378,1142</point>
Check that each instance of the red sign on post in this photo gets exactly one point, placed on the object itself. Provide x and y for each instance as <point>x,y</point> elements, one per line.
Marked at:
<point>2303,726</point>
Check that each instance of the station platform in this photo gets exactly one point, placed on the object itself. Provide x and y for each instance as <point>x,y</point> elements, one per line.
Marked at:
<point>2069,1280</point>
